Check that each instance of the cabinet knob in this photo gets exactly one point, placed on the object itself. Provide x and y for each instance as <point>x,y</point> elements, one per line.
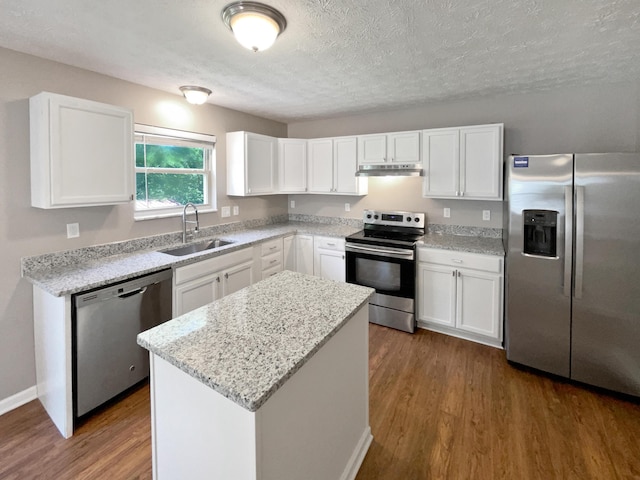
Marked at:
<point>218,279</point>
<point>453,273</point>
<point>459,274</point>
<point>226,275</point>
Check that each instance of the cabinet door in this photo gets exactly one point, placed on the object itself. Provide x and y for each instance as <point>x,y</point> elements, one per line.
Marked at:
<point>479,303</point>
<point>320,165</point>
<point>403,147</point>
<point>81,152</point>
<point>441,162</point>
<point>236,278</point>
<point>345,160</point>
<point>372,148</point>
<point>329,264</point>
<point>196,293</point>
<point>292,165</point>
<point>260,161</point>
<point>481,162</point>
<point>304,254</point>
<point>289,253</point>
<point>436,294</point>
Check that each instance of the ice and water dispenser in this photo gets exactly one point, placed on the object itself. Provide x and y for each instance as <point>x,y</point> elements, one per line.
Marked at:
<point>540,232</point>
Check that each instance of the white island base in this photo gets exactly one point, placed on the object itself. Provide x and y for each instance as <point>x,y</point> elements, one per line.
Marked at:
<point>315,426</point>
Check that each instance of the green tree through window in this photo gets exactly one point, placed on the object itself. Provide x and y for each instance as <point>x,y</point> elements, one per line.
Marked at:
<point>171,171</point>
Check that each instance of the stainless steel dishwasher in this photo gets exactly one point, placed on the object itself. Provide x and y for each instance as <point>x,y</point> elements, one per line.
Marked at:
<point>107,359</point>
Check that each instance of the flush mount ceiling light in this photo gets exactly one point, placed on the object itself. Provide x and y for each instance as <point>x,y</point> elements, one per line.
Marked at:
<point>195,95</point>
<point>255,25</point>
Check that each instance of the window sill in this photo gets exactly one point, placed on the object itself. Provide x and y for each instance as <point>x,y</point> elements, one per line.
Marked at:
<point>140,216</point>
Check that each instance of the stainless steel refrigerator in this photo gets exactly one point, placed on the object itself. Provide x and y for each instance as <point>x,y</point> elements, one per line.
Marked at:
<point>573,267</point>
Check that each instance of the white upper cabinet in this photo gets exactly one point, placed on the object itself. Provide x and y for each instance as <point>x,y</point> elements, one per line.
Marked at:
<point>481,162</point>
<point>463,162</point>
<point>251,164</point>
<point>333,163</point>
<point>292,165</point>
<point>81,152</point>
<point>372,148</point>
<point>397,147</point>
<point>320,165</point>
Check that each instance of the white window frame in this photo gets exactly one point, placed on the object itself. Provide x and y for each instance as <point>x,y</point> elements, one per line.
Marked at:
<point>183,138</point>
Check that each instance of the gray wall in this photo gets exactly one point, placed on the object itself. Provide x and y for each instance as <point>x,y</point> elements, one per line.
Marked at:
<point>25,230</point>
<point>589,119</point>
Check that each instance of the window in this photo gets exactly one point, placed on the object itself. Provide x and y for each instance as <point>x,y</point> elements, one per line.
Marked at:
<point>173,168</point>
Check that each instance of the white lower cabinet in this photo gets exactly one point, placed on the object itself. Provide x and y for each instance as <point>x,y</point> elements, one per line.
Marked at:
<point>270,257</point>
<point>298,253</point>
<point>461,294</point>
<point>329,258</point>
<point>203,282</point>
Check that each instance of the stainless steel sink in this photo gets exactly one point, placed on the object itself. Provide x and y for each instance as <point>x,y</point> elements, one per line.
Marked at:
<point>197,247</point>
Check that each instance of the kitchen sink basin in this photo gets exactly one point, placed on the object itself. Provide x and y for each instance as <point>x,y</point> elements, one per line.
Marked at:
<point>197,247</point>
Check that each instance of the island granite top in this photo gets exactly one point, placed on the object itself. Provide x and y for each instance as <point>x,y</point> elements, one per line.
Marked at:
<point>246,345</point>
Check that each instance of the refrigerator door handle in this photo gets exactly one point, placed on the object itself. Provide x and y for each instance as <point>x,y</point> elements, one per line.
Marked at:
<point>579,240</point>
<point>568,239</point>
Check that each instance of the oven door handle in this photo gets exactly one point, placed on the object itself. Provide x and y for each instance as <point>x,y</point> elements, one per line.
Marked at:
<point>392,253</point>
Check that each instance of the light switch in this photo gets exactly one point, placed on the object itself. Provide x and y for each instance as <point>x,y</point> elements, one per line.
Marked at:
<point>447,213</point>
<point>486,215</point>
<point>73,230</point>
<point>226,212</point>
<point>293,204</point>
<point>347,207</point>
<point>236,210</point>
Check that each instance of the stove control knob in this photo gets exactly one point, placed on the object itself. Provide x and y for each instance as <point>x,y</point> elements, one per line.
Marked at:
<point>368,215</point>
<point>416,219</point>
<point>408,219</point>
<point>375,217</point>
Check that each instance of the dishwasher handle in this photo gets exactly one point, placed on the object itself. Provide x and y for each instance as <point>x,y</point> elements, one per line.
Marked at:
<point>131,293</point>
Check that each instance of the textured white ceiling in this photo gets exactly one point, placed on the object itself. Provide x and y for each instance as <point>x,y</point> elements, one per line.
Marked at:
<point>338,56</point>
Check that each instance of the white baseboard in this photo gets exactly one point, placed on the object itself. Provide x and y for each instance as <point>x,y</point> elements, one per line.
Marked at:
<point>17,400</point>
<point>357,457</point>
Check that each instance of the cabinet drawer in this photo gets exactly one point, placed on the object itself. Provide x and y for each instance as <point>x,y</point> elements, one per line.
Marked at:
<point>270,261</point>
<point>329,243</point>
<point>210,265</point>
<point>271,246</point>
<point>271,271</point>
<point>476,261</point>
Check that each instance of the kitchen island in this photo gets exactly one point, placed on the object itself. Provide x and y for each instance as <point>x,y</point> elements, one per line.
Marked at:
<point>270,382</point>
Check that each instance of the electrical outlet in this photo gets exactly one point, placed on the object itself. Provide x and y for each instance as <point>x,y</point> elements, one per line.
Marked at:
<point>293,204</point>
<point>73,230</point>
<point>486,215</point>
<point>236,210</point>
<point>447,213</point>
<point>347,207</point>
<point>226,212</point>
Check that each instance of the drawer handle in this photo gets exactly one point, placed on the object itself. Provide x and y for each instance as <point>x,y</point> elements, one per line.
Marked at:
<point>273,261</point>
<point>454,260</point>
<point>273,247</point>
<point>331,244</point>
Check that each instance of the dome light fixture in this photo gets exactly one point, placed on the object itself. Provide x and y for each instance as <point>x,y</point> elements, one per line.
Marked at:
<point>195,95</point>
<point>255,25</point>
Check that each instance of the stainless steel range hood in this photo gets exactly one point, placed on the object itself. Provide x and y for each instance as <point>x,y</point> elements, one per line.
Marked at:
<point>389,170</point>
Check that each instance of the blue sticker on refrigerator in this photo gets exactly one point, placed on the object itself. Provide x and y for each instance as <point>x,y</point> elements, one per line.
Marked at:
<point>520,162</point>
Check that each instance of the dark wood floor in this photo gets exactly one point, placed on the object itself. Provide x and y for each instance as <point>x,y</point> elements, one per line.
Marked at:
<point>441,408</point>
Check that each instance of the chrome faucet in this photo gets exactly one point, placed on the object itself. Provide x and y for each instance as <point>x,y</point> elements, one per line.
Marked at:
<point>185,221</point>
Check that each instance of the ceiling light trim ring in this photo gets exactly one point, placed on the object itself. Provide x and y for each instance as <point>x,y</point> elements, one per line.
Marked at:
<point>187,89</point>
<point>235,8</point>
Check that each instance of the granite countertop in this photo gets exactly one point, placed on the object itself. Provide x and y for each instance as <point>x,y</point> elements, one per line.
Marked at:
<point>247,344</point>
<point>97,272</point>
<point>69,272</point>
<point>460,243</point>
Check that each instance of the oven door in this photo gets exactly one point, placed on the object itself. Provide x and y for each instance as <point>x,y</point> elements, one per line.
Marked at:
<point>390,270</point>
